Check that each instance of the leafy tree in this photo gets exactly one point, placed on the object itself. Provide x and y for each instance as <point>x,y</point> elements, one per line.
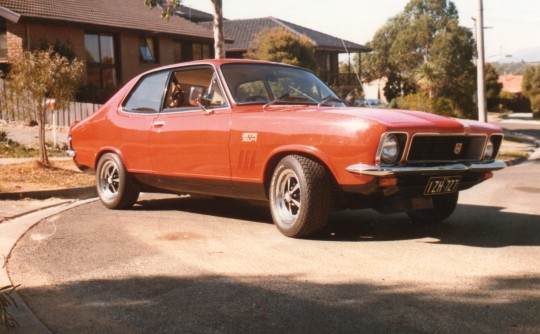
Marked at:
<point>531,81</point>
<point>535,105</point>
<point>493,86</point>
<point>40,81</point>
<point>531,88</point>
<point>424,49</point>
<point>280,45</point>
<point>170,6</point>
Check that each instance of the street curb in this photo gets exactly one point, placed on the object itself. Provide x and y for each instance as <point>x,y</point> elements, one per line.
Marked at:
<point>11,232</point>
<point>68,193</point>
<point>516,161</point>
<point>521,138</point>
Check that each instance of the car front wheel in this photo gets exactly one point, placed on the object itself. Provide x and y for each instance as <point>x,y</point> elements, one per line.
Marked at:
<point>115,186</point>
<point>443,207</point>
<point>300,196</point>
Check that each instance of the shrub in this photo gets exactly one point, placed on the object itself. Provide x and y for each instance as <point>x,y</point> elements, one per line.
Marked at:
<point>6,301</point>
<point>535,103</point>
<point>40,81</point>
<point>515,102</point>
<point>421,102</point>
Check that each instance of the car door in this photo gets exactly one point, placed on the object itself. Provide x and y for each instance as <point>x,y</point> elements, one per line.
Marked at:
<point>134,120</point>
<point>189,146</point>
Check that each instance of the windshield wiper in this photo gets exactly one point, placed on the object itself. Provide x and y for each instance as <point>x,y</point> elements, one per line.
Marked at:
<point>284,96</point>
<point>303,94</point>
<point>329,98</point>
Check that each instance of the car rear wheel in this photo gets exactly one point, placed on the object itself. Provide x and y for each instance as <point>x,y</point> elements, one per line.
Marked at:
<point>115,186</point>
<point>443,207</point>
<point>300,196</point>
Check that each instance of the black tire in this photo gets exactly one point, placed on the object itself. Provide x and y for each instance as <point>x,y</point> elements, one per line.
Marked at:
<point>300,196</point>
<point>443,207</point>
<point>115,186</point>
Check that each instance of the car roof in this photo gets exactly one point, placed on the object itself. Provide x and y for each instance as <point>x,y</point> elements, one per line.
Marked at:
<point>219,62</point>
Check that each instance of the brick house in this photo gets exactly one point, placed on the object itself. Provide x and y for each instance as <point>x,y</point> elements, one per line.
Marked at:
<point>117,39</point>
<point>327,48</point>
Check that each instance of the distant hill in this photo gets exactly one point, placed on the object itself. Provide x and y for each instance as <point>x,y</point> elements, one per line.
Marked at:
<point>530,55</point>
<point>517,62</point>
<point>510,68</point>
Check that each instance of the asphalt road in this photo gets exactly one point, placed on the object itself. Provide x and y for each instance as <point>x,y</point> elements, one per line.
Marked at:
<point>196,265</point>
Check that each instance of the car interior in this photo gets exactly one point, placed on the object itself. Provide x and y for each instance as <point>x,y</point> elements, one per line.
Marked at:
<point>183,81</point>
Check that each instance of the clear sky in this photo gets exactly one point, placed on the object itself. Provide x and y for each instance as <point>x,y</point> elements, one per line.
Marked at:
<point>513,24</point>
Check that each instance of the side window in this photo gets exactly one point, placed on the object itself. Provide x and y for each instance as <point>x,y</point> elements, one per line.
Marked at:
<point>148,94</point>
<point>183,81</point>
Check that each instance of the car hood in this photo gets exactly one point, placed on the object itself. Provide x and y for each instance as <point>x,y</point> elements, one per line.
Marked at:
<point>394,118</point>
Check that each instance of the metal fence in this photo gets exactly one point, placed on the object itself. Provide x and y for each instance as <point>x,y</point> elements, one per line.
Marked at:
<point>75,111</point>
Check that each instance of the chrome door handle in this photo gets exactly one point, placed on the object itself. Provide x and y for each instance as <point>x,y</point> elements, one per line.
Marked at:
<point>158,124</point>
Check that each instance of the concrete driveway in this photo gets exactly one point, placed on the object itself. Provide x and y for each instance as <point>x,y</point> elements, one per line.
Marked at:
<point>198,265</point>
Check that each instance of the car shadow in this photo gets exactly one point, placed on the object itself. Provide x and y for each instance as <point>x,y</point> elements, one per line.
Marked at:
<point>220,207</point>
<point>470,225</point>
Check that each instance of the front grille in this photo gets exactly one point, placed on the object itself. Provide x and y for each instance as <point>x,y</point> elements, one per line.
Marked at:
<point>445,148</point>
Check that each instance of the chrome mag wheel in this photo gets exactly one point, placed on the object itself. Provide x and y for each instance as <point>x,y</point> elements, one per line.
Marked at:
<point>288,197</point>
<point>115,186</point>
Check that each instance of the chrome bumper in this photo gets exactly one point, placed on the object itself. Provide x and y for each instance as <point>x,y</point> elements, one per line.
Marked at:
<point>404,170</point>
<point>71,153</point>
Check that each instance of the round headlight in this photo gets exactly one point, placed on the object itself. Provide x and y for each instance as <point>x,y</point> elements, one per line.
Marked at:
<point>488,152</point>
<point>390,150</point>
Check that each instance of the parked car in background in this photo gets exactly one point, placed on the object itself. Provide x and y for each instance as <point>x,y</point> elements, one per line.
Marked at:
<point>270,132</point>
<point>370,103</point>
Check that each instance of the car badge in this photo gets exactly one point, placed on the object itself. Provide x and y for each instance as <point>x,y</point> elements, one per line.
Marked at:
<point>249,137</point>
<point>457,148</point>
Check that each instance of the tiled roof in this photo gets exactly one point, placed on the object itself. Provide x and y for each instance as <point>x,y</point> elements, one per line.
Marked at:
<point>195,15</point>
<point>126,14</point>
<point>244,31</point>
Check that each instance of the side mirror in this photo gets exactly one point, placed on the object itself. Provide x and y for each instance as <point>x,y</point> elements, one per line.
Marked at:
<point>197,97</point>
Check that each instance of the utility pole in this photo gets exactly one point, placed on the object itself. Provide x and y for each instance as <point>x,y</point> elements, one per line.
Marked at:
<point>480,64</point>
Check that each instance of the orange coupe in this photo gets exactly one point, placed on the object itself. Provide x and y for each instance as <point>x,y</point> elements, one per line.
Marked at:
<point>271,132</point>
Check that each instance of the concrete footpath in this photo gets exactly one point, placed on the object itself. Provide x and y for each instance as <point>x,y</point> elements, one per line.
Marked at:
<point>18,213</point>
<point>17,217</point>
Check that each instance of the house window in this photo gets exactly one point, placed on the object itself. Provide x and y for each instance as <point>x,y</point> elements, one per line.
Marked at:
<point>101,60</point>
<point>3,39</point>
<point>148,50</point>
<point>327,62</point>
<point>177,51</point>
<point>200,51</point>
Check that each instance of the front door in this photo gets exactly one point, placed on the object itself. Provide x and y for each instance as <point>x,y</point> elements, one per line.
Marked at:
<point>189,146</point>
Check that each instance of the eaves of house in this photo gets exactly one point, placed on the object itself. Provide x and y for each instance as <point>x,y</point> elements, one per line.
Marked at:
<point>117,14</point>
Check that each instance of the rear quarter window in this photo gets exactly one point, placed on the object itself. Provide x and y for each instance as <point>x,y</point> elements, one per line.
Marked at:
<point>147,95</point>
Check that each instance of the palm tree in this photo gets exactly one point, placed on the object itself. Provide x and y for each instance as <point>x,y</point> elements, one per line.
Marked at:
<point>427,77</point>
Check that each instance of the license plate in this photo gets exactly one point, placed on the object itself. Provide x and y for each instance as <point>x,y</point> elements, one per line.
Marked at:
<point>442,185</point>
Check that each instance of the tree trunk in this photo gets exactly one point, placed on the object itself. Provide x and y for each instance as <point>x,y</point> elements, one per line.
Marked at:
<point>43,158</point>
<point>219,40</point>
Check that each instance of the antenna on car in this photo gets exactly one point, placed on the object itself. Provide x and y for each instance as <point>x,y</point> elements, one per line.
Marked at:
<point>354,68</point>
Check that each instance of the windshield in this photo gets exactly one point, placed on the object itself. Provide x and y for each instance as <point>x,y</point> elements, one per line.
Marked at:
<point>269,84</point>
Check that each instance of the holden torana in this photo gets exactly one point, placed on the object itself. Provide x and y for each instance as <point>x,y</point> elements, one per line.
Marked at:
<point>270,132</point>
